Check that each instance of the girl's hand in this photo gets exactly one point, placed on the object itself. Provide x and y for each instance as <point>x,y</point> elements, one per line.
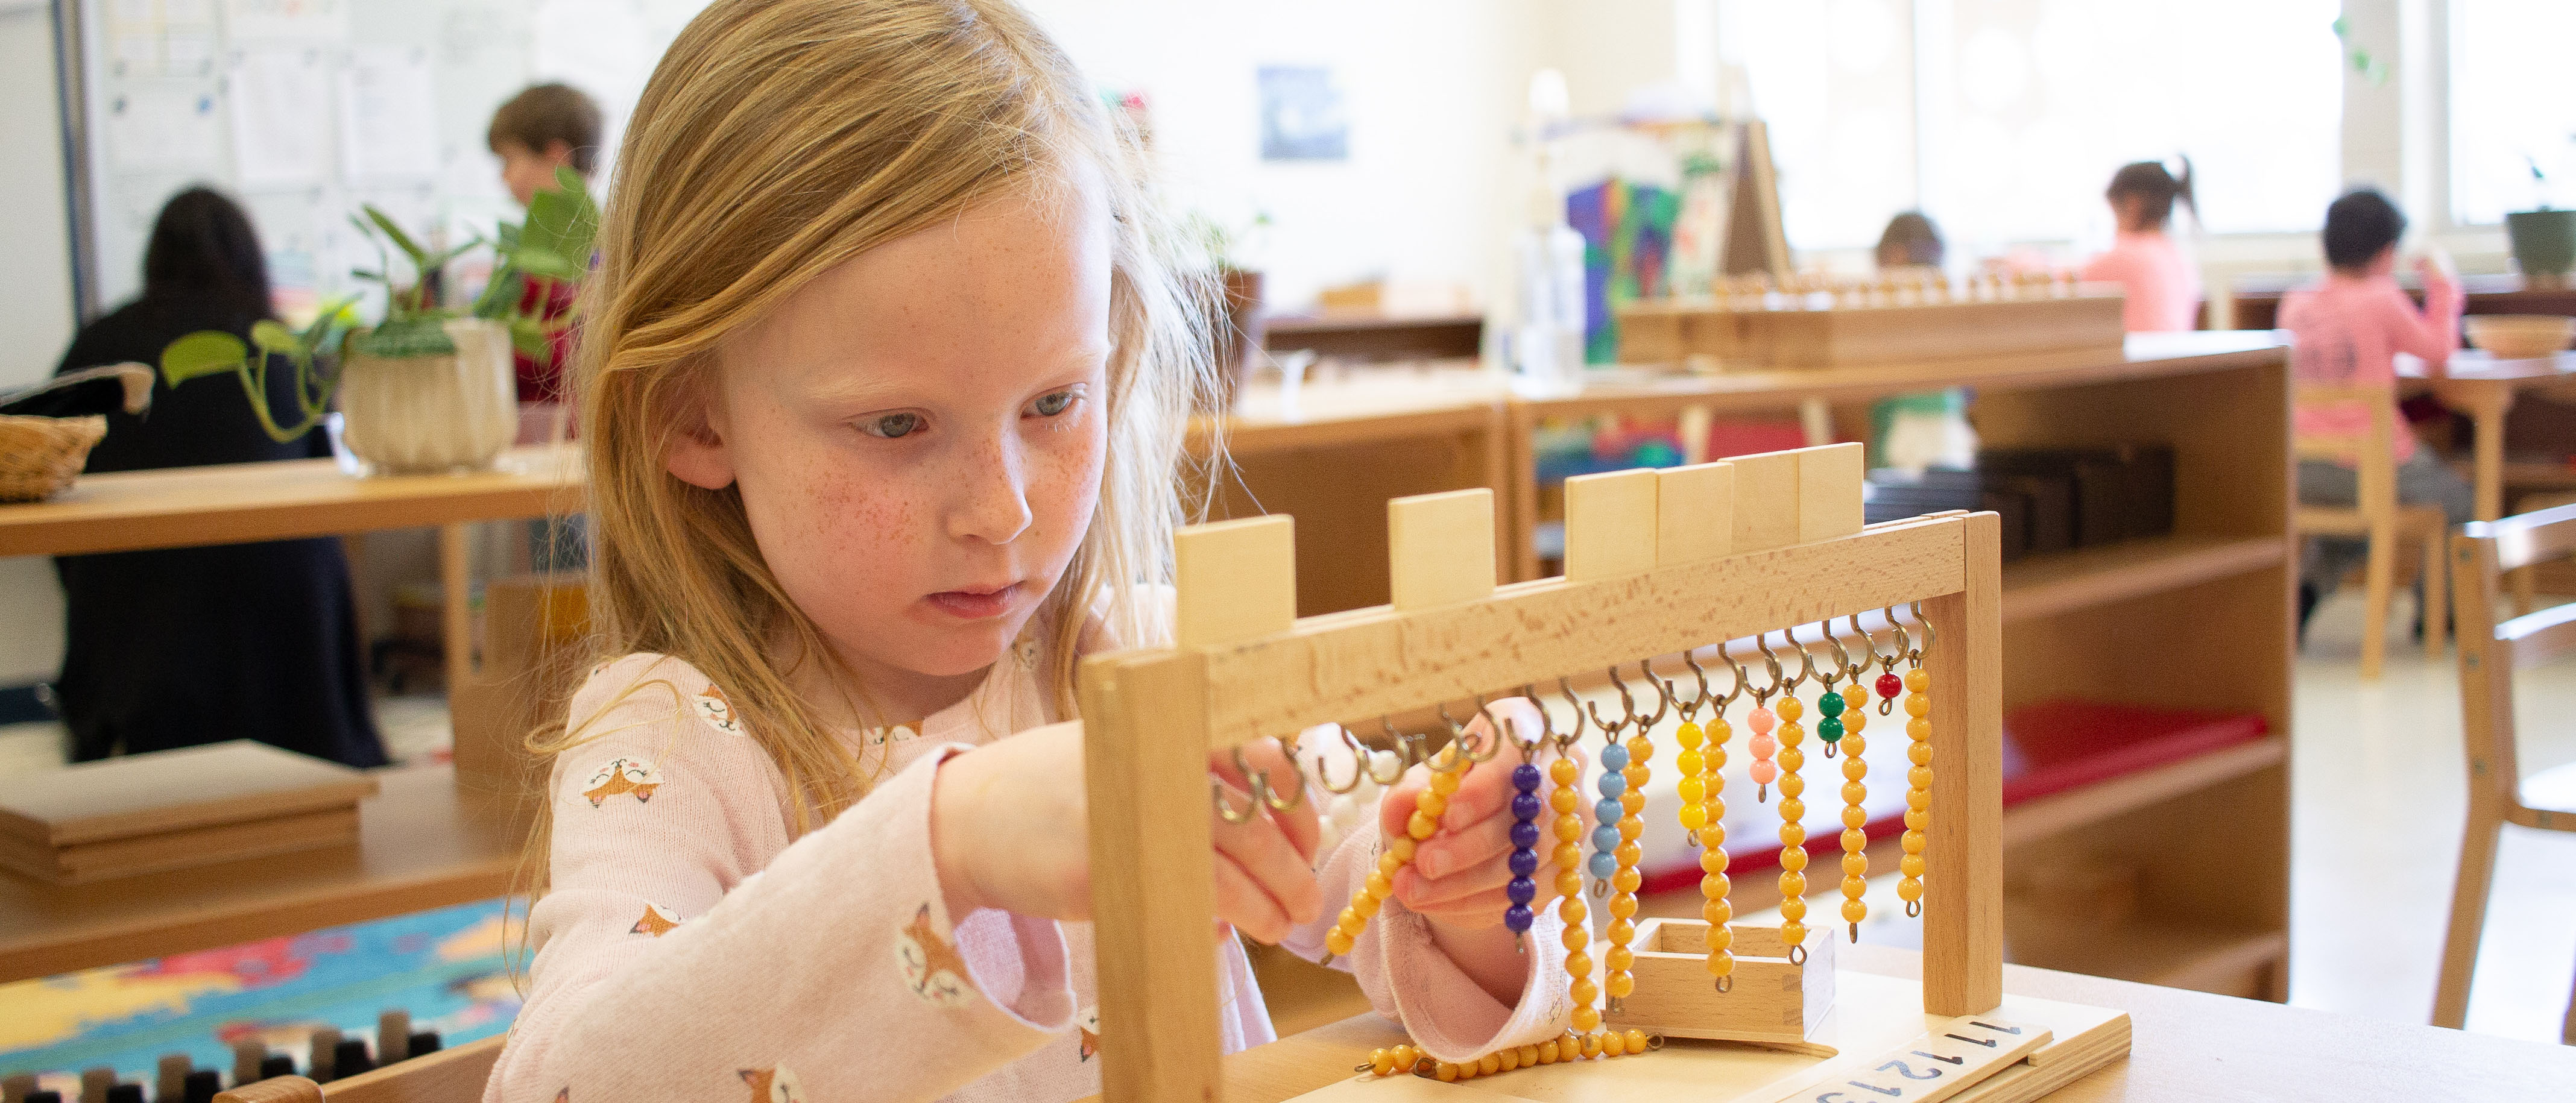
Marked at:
<point>1458,875</point>
<point>1010,830</point>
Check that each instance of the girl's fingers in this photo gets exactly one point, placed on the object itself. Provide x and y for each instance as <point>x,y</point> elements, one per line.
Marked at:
<point>1304,829</point>
<point>1419,891</point>
<point>1453,850</point>
<point>1242,901</point>
<point>1264,852</point>
<point>1474,912</point>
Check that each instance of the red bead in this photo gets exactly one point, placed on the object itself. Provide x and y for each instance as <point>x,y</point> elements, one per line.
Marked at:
<point>1889,685</point>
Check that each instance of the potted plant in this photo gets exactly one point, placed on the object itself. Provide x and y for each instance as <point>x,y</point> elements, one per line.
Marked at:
<point>1238,348</point>
<point>2544,240</point>
<point>428,387</point>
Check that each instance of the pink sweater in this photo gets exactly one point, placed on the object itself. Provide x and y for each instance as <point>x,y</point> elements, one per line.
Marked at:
<point>2347,332</point>
<point>2164,291</point>
<point>691,945</point>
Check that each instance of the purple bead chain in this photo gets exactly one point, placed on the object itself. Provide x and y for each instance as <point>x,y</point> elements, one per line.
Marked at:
<point>1525,807</point>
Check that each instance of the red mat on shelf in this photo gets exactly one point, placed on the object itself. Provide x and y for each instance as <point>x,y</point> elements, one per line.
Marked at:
<point>2049,748</point>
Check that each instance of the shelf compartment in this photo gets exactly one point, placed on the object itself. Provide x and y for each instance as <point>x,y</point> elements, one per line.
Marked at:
<point>2174,954</point>
<point>2044,586</point>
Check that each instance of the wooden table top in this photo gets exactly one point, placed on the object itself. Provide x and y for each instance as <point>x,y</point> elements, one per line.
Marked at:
<point>422,844</point>
<point>237,503</point>
<point>2186,1046</point>
<point>2476,366</point>
<point>2143,355</point>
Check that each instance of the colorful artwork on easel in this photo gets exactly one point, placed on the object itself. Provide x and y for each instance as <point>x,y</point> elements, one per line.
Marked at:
<point>445,967</point>
<point>1627,249</point>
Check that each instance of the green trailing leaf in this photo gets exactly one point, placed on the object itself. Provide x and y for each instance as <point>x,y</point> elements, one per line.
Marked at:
<point>528,335</point>
<point>395,234</point>
<point>417,335</point>
<point>547,263</point>
<point>209,352</point>
<point>275,339</point>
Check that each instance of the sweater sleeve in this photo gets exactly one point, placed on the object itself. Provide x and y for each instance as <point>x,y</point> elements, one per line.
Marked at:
<point>1408,978</point>
<point>2435,332</point>
<point>670,964</point>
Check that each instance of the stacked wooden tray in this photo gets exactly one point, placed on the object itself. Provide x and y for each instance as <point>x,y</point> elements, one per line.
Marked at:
<point>174,809</point>
<point>1820,325</point>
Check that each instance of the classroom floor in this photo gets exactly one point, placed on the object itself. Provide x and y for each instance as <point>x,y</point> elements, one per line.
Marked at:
<point>2378,799</point>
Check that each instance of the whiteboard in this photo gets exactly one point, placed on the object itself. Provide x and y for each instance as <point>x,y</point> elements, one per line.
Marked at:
<point>304,109</point>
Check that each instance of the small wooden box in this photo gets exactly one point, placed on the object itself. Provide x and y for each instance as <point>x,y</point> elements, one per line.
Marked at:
<point>1773,1001</point>
<point>173,809</point>
<point>1854,336</point>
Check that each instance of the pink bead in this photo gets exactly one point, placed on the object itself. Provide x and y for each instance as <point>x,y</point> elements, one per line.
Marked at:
<point>1764,770</point>
<point>1762,720</point>
<point>1763,745</point>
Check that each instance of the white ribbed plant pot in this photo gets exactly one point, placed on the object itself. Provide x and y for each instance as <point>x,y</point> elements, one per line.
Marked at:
<point>423,414</point>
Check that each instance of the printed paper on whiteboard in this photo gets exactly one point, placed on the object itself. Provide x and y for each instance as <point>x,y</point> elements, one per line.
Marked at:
<point>163,129</point>
<point>388,115</point>
<point>287,20</point>
<point>281,118</point>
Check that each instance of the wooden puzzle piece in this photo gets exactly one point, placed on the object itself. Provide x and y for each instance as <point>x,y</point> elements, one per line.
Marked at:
<point>1829,491</point>
<point>1766,501</point>
<point>1237,580</point>
<point>1609,524</point>
<point>1694,513</point>
<point>1440,548</point>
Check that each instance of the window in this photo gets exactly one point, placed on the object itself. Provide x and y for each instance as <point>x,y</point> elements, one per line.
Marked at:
<point>1835,83</point>
<point>2510,110</point>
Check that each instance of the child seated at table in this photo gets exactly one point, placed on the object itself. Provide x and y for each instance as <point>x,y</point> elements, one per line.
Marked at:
<point>2346,332</point>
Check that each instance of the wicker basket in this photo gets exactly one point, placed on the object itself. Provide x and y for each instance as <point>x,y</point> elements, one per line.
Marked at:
<point>40,456</point>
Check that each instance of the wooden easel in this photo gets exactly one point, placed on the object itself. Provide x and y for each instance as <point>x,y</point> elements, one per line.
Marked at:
<point>1793,552</point>
<point>1756,238</point>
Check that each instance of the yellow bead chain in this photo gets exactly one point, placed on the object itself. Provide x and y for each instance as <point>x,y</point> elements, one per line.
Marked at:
<point>1569,889</point>
<point>1855,818</point>
<point>1713,883</point>
<point>1372,895</point>
<point>1566,1047</point>
<point>1624,882</point>
<point>1918,792</point>
<point>1793,834</point>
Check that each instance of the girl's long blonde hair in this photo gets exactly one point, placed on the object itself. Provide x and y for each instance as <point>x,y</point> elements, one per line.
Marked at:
<point>777,139</point>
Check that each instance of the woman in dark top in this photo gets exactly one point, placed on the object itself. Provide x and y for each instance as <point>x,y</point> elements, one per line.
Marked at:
<point>184,646</point>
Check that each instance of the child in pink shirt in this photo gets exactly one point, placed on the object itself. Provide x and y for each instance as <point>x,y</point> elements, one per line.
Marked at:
<point>2346,332</point>
<point>883,386</point>
<point>2163,288</point>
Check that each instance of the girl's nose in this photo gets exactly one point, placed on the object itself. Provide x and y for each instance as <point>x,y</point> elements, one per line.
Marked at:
<point>992,503</point>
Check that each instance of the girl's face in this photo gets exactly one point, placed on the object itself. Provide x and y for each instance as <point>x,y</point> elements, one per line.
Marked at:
<point>918,436</point>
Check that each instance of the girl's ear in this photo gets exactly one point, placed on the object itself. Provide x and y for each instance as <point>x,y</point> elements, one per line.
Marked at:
<point>696,454</point>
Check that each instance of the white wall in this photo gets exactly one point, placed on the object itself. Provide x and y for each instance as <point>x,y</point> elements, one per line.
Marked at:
<point>36,308</point>
<point>1433,89</point>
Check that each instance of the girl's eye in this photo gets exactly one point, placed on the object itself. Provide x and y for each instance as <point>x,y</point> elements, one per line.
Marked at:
<point>890,426</point>
<point>1057,402</point>
<point>1049,405</point>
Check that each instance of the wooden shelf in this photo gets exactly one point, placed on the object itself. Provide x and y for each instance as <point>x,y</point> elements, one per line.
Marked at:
<point>2091,804</point>
<point>2172,954</point>
<point>2045,586</point>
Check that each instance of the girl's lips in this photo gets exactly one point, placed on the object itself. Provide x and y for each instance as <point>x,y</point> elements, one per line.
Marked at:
<point>976,605</point>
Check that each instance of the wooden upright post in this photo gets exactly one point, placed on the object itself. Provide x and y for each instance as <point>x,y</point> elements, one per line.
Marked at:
<point>1153,881</point>
<point>1963,892</point>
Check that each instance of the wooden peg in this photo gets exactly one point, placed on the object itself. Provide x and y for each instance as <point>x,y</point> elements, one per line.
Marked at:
<point>1766,501</point>
<point>1694,512</point>
<point>1609,524</point>
<point>247,1054</point>
<point>1440,548</point>
<point>1829,491</point>
<point>17,1087</point>
<point>393,1036</point>
<point>94,1084</point>
<point>1237,580</point>
<point>317,1063</point>
<point>172,1076</point>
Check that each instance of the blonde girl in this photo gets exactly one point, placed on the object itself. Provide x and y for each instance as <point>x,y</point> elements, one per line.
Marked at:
<point>882,387</point>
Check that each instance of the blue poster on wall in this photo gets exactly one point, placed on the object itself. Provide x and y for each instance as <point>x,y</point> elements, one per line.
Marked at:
<point>1302,118</point>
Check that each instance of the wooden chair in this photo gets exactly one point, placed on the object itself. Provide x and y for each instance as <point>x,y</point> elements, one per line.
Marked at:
<point>2498,793</point>
<point>2377,516</point>
<point>447,1076</point>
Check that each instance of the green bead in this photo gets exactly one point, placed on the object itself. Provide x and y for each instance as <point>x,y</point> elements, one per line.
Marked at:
<point>1829,729</point>
<point>1831,704</point>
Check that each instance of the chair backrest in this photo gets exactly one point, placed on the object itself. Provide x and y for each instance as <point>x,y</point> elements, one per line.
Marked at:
<point>2491,652</point>
<point>447,1076</point>
<point>2373,453</point>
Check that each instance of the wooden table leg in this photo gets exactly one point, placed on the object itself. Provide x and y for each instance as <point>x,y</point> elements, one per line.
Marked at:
<point>457,592</point>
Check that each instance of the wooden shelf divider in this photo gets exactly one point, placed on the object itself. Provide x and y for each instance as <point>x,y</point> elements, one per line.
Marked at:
<point>2045,586</point>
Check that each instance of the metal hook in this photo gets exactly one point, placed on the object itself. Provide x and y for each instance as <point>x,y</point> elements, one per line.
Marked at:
<point>1740,679</point>
<point>1610,731</point>
<point>1930,637</point>
<point>1251,808</point>
<point>1779,678</point>
<point>1574,735</point>
<point>1806,659</point>
<point>1263,789</point>
<point>1663,703</point>
<point>1402,743</point>
<point>1701,701</point>
<point>1887,662</point>
<point>1868,647</point>
<point>1842,655</point>
<point>1359,765</point>
<point>1459,739</point>
<point>1409,749</point>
